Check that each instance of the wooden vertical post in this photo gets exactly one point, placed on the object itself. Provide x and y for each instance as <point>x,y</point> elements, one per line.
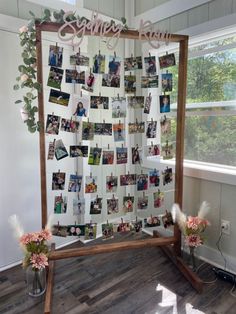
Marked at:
<point>48,297</point>
<point>181,104</point>
<point>42,131</point>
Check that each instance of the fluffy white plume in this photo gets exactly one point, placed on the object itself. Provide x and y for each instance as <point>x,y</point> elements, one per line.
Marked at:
<point>179,217</point>
<point>49,222</point>
<point>204,209</point>
<point>16,226</point>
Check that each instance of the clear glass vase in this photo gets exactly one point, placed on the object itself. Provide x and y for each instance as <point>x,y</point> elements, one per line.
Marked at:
<point>192,258</point>
<point>36,281</point>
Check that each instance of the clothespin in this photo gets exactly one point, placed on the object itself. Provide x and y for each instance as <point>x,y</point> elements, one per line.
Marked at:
<point>104,121</point>
<point>99,52</point>
<point>114,54</point>
<point>122,145</point>
<point>118,96</point>
<point>96,145</point>
<point>107,222</point>
<point>143,194</point>
<point>119,122</point>
<point>167,72</point>
<point>90,174</point>
<point>108,146</point>
<point>128,194</point>
<point>167,53</point>
<point>100,94</point>
<point>81,95</point>
<point>113,196</point>
<point>90,71</point>
<point>53,114</point>
<point>88,119</point>
<point>111,174</point>
<point>152,144</point>
<point>59,171</point>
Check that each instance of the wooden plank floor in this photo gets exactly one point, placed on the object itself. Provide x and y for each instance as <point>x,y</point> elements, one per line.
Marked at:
<point>141,281</point>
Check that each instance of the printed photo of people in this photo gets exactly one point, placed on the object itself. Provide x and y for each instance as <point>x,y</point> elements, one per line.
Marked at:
<point>78,206</point>
<point>82,105</point>
<point>95,156</point>
<point>112,206</point>
<point>142,182</point>
<point>75,183</point>
<point>87,131</point>
<point>99,102</point>
<point>90,231</point>
<point>90,184</point>
<point>158,198</point>
<point>128,204</point>
<point>165,125</point>
<point>59,98</point>
<point>136,225</point>
<point>166,82</point>
<point>51,150</point>
<point>137,127</point>
<point>78,151</point>
<point>89,82</point>
<point>167,151</point>
<point>111,80</point>
<point>119,132</point>
<point>151,129</point>
<point>99,64</point>
<point>60,150</point>
<point>55,56</point>
<point>149,81</point>
<point>152,150</point>
<point>58,180</point>
<point>103,129</point>
<point>142,203</point>
<point>150,65</point>
<point>167,219</point>
<point>123,226</point>
<point>52,124</point>
<point>133,63</point>
<point>167,60</point>
<point>59,231</point>
<point>136,155</point>
<point>107,157</point>
<point>127,179</point>
<point>76,230</point>
<point>167,176</point>
<point>69,125</point>
<point>135,102</point>
<point>147,105</point>
<point>111,183</point>
<point>107,231</point>
<point>154,178</point>
<point>118,105</point>
<point>130,84</point>
<point>152,221</point>
<point>78,59</point>
<point>114,65</point>
<point>164,103</point>
<point>96,206</point>
<point>55,77</point>
<point>73,76</point>
<point>121,155</point>
<point>60,204</point>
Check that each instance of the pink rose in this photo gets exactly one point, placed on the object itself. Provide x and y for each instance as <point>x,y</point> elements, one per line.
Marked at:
<point>24,114</point>
<point>24,77</point>
<point>23,29</point>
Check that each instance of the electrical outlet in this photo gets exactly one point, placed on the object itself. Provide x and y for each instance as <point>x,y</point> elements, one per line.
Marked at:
<point>225,226</point>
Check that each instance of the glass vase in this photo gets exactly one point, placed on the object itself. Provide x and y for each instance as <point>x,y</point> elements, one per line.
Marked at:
<point>36,281</point>
<point>192,258</point>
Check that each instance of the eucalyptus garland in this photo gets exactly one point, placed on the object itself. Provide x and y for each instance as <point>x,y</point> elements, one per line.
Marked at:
<point>27,77</point>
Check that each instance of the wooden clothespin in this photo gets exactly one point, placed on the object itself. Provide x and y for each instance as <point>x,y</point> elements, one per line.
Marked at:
<point>114,54</point>
<point>91,175</point>
<point>108,146</point>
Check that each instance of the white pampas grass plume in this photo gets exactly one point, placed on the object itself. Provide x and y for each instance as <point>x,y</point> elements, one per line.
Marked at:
<point>204,209</point>
<point>49,223</point>
<point>16,226</point>
<point>179,217</point>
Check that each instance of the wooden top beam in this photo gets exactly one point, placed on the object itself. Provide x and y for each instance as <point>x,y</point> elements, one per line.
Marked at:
<point>111,247</point>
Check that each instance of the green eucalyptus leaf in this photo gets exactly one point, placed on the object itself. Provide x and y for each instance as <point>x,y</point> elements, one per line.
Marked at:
<point>18,101</point>
<point>123,20</point>
<point>37,86</point>
<point>32,13</point>
<point>47,12</point>
<point>16,87</point>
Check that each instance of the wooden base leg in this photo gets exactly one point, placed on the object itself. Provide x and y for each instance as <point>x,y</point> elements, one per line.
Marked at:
<point>48,297</point>
<point>191,276</point>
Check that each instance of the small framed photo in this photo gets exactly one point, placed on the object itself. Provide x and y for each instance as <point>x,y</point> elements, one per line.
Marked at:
<point>114,65</point>
<point>167,176</point>
<point>130,84</point>
<point>147,104</point>
<point>82,106</point>
<point>128,204</point>
<point>52,124</point>
<point>59,98</point>
<point>89,82</point>
<point>107,231</point>
<point>60,204</point>
<point>151,129</point>
<point>87,131</point>
<point>167,61</point>
<point>90,231</point>
<point>142,203</point>
<point>51,150</point>
<point>96,206</point>
<point>154,178</point>
<point>73,76</point>
<point>99,102</point>
<point>103,129</point>
<point>111,80</point>
<point>55,77</point>
<point>80,60</point>
<point>127,179</point>
<point>91,184</point>
<point>135,102</point>
<point>165,125</point>
<point>167,151</point>
<point>152,221</point>
<point>167,82</point>
<point>95,156</point>
<point>58,180</point>
<point>78,151</point>
<point>60,150</point>
<point>149,81</point>
<point>152,150</point>
<point>137,155</point>
<point>69,125</point>
<point>133,63</point>
<point>119,132</point>
<point>150,65</point>
<point>75,183</point>
<point>137,127</point>
<point>107,157</point>
<point>99,64</point>
<point>121,155</point>
<point>78,206</point>
<point>164,103</point>
<point>111,184</point>
<point>142,182</point>
<point>118,107</point>
<point>158,198</point>
<point>55,56</point>
<point>112,206</point>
